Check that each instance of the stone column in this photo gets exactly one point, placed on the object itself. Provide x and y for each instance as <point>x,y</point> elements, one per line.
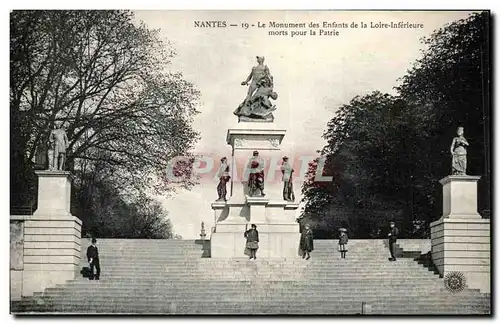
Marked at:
<point>51,236</point>
<point>461,238</point>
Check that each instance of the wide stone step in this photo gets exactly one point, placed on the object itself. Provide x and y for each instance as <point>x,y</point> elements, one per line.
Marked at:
<point>265,306</point>
<point>312,271</point>
<point>338,273</point>
<point>141,302</point>
<point>243,292</point>
<point>368,291</point>
<point>276,287</point>
<point>123,279</point>
<point>248,263</point>
<point>257,308</point>
<point>329,249</point>
<point>188,259</point>
<point>287,300</point>
<point>368,286</point>
<point>206,279</point>
<point>199,254</point>
<point>283,276</point>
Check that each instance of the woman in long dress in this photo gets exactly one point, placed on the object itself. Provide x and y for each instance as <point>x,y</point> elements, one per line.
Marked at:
<point>306,242</point>
<point>252,236</point>
<point>343,242</point>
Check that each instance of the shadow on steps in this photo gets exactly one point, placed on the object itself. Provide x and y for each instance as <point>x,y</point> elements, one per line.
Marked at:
<point>205,244</point>
<point>426,261</point>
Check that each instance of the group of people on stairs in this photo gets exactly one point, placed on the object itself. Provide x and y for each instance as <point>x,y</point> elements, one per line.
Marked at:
<point>306,245</point>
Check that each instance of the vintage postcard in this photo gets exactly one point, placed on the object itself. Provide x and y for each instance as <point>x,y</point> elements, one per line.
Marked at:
<point>265,162</point>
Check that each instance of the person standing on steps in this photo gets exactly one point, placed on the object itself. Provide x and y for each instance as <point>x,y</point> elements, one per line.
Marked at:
<point>393,236</point>
<point>252,236</point>
<point>343,242</point>
<point>93,258</point>
<point>306,242</point>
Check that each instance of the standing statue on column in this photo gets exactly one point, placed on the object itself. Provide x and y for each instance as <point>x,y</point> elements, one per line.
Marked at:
<point>223,175</point>
<point>58,143</point>
<point>459,153</point>
<point>255,168</point>
<point>257,104</point>
<point>287,171</point>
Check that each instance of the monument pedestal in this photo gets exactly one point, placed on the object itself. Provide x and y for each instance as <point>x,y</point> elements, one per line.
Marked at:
<point>51,236</point>
<point>461,238</point>
<point>249,137</point>
<point>275,218</point>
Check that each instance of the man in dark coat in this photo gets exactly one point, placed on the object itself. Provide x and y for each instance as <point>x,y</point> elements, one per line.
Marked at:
<point>393,236</point>
<point>306,242</point>
<point>93,259</point>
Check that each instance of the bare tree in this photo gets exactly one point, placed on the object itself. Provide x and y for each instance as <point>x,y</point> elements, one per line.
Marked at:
<point>105,77</point>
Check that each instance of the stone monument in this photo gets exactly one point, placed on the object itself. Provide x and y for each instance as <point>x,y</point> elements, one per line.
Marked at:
<point>224,177</point>
<point>203,233</point>
<point>287,171</point>
<point>58,143</point>
<point>51,250</point>
<point>256,195</point>
<point>459,153</point>
<point>460,239</point>
<point>257,106</point>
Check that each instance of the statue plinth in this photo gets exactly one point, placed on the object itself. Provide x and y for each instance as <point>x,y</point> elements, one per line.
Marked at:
<point>52,235</point>
<point>54,193</point>
<point>460,196</point>
<point>244,119</point>
<point>461,238</point>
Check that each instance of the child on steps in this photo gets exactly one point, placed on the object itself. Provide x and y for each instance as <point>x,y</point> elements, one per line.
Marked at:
<point>343,242</point>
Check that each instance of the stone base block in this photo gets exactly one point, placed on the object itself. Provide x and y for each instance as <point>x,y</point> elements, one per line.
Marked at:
<point>276,241</point>
<point>51,251</point>
<point>255,210</point>
<point>38,281</point>
<point>479,280</point>
<point>463,245</point>
<point>16,284</point>
<point>54,193</point>
<point>460,197</point>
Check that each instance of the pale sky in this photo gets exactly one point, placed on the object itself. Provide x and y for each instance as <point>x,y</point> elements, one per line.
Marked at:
<point>313,76</point>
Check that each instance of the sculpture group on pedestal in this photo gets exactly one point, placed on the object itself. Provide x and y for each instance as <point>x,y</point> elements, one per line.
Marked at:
<point>58,143</point>
<point>257,104</point>
<point>459,153</point>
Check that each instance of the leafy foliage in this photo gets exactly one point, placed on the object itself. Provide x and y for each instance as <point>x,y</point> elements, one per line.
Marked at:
<point>105,79</point>
<point>386,153</point>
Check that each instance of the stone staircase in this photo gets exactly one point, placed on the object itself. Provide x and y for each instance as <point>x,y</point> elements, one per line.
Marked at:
<point>172,277</point>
